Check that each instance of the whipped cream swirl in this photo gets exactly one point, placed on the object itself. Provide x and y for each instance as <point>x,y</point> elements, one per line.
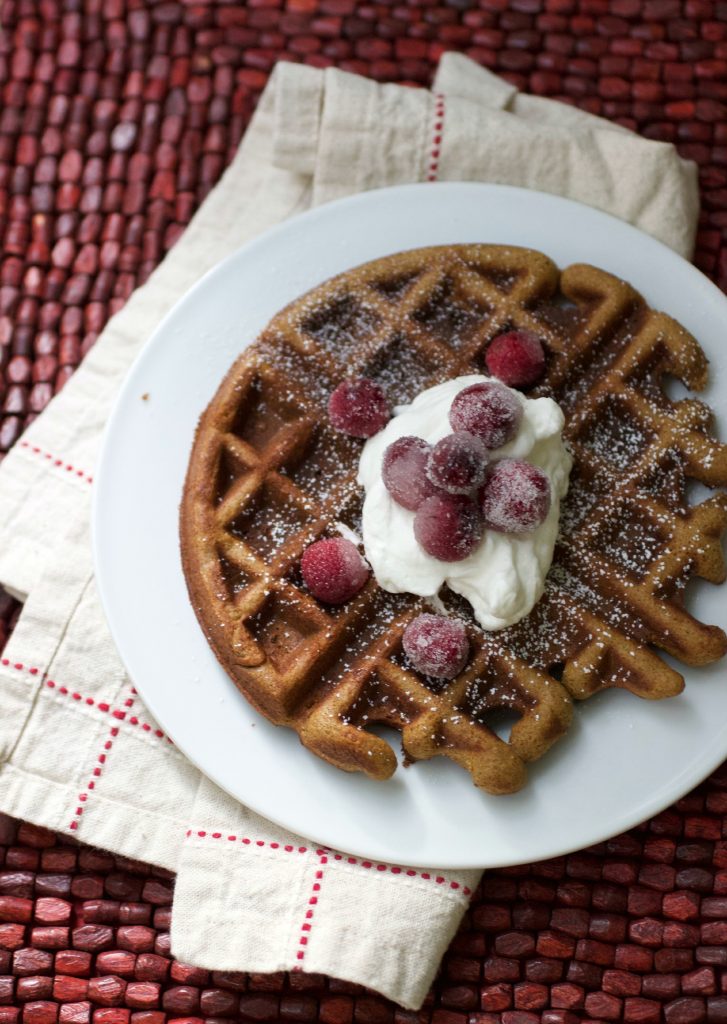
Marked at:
<point>505,575</point>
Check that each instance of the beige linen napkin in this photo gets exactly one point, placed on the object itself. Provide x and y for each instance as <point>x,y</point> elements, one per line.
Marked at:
<point>78,751</point>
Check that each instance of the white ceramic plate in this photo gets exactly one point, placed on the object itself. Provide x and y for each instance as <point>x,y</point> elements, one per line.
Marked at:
<point>622,761</point>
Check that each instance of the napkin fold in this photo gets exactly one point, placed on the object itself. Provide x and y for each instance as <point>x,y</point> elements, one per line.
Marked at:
<point>79,753</point>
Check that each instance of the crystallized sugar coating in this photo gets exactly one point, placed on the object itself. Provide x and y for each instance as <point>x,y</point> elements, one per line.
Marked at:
<point>436,645</point>
<point>333,570</point>
<point>516,358</point>
<point>515,496</point>
<point>404,471</point>
<point>358,407</point>
<point>488,410</point>
<point>448,526</point>
<point>457,463</point>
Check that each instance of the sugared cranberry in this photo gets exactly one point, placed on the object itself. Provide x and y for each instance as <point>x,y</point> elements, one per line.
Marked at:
<point>436,646</point>
<point>487,410</point>
<point>403,471</point>
<point>358,407</point>
<point>333,570</point>
<point>457,463</point>
<point>448,526</point>
<point>515,496</point>
<point>516,358</point>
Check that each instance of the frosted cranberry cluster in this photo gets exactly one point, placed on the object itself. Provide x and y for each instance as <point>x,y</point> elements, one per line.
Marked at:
<point>453,488</point>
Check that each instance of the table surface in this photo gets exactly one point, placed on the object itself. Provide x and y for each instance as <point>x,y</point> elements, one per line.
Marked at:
<point>117,118</point>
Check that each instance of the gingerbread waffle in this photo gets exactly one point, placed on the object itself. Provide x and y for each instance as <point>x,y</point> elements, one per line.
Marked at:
<point>268,475</point>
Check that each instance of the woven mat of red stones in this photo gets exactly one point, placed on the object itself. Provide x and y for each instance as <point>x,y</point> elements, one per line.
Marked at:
<point>116,119</point>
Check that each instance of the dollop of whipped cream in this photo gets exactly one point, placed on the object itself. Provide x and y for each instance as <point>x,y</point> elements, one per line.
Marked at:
<point>504,577</point>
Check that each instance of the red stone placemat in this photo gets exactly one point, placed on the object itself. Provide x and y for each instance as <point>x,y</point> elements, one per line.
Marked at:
<point>116,118</point>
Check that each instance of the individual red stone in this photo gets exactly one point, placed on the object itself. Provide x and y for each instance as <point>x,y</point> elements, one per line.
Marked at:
<point>687,1010</point>
<point>101,911</point>
<point>604,1006</point>
<point>701,982</point>
<point>607,927</point>
<point>150,967</point>
<point>49,910</point>
<point>567,996</point>
<point>16,883</point>
<point>496,997</point>
<point>530,915</point>
<point>621,983</point>
<point>121,886</point>
<point>587,975</point>
<point>492,917</point>
<point>642,1011</point>
<point>9,1014</point>
<point>185,974</point>
<point>553,944</point>
<point>676,933</point>
<point>572,920</point>
<point>111,1015</point>
<point>530,996</point>
<point>716,955</point>
<point>117,961</point>
<point>33,988</point>
<point>681,905</point>
<point>50,938</point>
<point>612,899</point>
<point>67,989</point>
<point>107,990</point>
<point>40,1013</point>
<point>543,969</point>
<point>332,1010</point>
<point>58,885</point>
<point>259,1007</point>
<point>717,1010</point>
<point>673,960</point>
<point>74,962</point>
<point>157,892</point>
<point>136,913</point>
<point>137,938</point>
<point>646,931</point>
<point>515,944</point>
<point>74,1013</point>
<point>181,1000</point>
<point>497,968</point>
<point>643,902</point>
<point>144,995</point>
<point>31,961</point>
<point>661,986</point>
<point>657,876</point>
<point>92,938</point>
<point>633,958</point>
<point>15,909</point>
<point>22,857</point>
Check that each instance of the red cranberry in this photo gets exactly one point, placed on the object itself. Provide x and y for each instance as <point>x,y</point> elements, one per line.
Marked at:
<point>436,646</point>
<point>448,526</point>
<point>516,358</point>
<point>358,407</point>
<point>515,497</point>
<point>333,570</point>
<point>487,410</point>
<point>457,463</point>
<point>403,471</point>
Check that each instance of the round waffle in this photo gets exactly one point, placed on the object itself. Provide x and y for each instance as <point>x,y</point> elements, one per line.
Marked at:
<point>268,475</point>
